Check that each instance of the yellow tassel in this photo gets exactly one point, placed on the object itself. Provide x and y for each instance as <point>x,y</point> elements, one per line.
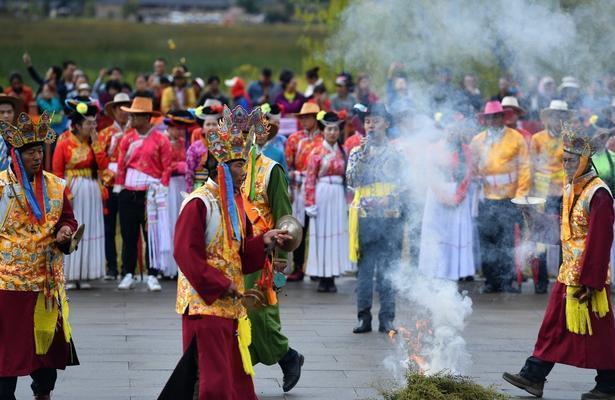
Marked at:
<point>577,314</point>
<point>244,337</point>
<point>44,325</point>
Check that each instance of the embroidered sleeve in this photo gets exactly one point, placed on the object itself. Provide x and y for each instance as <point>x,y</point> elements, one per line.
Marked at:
<point>315,159</point>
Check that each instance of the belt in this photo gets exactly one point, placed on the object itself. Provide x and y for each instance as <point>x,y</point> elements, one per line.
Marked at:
<point>500,179</point>
<point>332,179</point>
<point>82,172</point>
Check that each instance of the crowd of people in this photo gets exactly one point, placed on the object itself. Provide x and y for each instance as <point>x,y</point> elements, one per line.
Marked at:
<point>178,163</point>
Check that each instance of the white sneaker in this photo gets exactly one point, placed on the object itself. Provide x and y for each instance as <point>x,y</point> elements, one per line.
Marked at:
<point>152,284</point>
<point>127,283</point>
<point>70,286</point>
<point>85,285</point>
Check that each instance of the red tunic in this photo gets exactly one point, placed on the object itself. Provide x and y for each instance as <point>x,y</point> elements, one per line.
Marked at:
<point>555,343</point>
<point>352,142</point>
<point>323,161</point>
<point>221,373</point>
<point>290,150</point>
<point>17,350</point>
<point>178,151</point>
<point>73,154</point>
<point>152,157</point>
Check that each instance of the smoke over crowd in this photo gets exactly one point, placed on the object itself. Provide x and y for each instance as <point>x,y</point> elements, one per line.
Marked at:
<point>524,39</point>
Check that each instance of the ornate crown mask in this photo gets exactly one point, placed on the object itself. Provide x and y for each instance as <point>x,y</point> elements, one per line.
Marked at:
<point>27,131</point>
<point>235,133</point>
<point>583,142</point>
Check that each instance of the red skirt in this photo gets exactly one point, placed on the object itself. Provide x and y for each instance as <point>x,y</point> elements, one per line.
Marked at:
<point>17,353</point>
<point>556,344</point>
<point>221,373</point>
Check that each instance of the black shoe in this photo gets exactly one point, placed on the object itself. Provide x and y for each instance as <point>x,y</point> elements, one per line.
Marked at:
<point>365,323</point>
<point>596,394</point>
<point>386,327</point>
<point>534,388</point>
<point>541,288</point>
<point>291,365</point>
<point>322,286</point>
<point>331,288</point>
<point>314,278</point>
<point>469,278</point>
<point>487,289</point>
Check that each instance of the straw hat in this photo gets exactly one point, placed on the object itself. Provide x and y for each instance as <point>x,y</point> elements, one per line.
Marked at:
<point>308,109</point>
<point>559,106</point>
<point>119,99</point>
<point>141,105</point>
<point>179,118</point>
<point>512,103</point>
<point>15,102</point>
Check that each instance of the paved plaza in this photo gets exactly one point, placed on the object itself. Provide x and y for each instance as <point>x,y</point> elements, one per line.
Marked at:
<point>128,343</point>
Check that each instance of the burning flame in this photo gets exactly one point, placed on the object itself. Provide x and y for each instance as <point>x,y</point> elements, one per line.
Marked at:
<point>413,340</point>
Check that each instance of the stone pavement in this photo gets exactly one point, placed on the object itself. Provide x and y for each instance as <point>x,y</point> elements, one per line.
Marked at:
<point>128,343</point>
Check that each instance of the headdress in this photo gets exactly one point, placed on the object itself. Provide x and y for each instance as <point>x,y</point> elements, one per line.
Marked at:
<point>232,141</point>
<point>583,142</point>
<point>181,118</point>
<point>229,142</point>
<point>27,132</point>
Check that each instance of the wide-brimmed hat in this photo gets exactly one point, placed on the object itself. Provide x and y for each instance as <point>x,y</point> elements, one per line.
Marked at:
<point>559,106</point>
<point>569,82</point>
<point>378,110</point>
<point>492,108</point>
<point>119,99</point>
<point>512,103</point>
<point>308,108</point>
<point>179,118</point>
<point>212,108</point>
<point>15,102</point>
<point>141,105</point>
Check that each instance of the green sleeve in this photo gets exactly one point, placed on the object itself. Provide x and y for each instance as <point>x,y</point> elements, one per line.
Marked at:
<point>279,202</point>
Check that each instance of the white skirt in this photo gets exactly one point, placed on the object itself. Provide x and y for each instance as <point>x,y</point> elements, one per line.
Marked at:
<point>88,261</point>
<point>177,184</point>
<point>446,238</point>
<point>299,202</point>
<point>328,231</point>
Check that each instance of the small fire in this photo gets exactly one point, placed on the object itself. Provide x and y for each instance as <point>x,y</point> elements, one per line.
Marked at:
<point>414,340</point>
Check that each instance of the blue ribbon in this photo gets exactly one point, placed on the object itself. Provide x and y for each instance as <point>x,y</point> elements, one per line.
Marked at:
<point>29,190</point>
<point>232,206</point>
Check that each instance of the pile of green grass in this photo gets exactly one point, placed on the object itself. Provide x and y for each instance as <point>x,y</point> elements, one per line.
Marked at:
<point>442,386</point>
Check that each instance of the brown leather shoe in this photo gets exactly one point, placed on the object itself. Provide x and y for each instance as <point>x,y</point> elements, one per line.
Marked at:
<point>597,395</point>
<point>534,388</point>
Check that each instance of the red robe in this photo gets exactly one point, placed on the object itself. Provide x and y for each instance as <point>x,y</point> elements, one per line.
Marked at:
<point>220,369</point>
<point>555,343</point>
<point>17,352</point>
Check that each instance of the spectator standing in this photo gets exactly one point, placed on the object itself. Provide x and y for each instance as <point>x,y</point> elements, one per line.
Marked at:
<point>343,99</point>
<point>179,96</point>
<point>18,89</point>
<point>239,96</point>
<point>290,99</point>
<point>364,94</point>
<point>313,80</point>
<point>263,90</point>
<point>49,101</point>
<point>213,91</point>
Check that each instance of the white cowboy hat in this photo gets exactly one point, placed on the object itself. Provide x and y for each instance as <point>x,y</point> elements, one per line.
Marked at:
<point>569,82</point>
<point>512,102</point>
<point>556,106</point>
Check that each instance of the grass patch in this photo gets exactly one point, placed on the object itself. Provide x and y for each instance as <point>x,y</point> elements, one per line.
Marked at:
<point>442,386</point>
<point>94,44</point>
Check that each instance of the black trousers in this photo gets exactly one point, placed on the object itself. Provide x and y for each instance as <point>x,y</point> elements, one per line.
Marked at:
<point>299,253</point>
<point>496,221</point>
<point>43,382</point>
<point>536,370</point>
<point>110,229</point>
<point>132,220</point>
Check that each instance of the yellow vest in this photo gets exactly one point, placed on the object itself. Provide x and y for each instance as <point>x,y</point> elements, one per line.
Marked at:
<point>221,255</point>
<point>26,247</point>
<point>546,153</point>
<point>258,210</point>
<point>574,246</point>
<point>504,165</point>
